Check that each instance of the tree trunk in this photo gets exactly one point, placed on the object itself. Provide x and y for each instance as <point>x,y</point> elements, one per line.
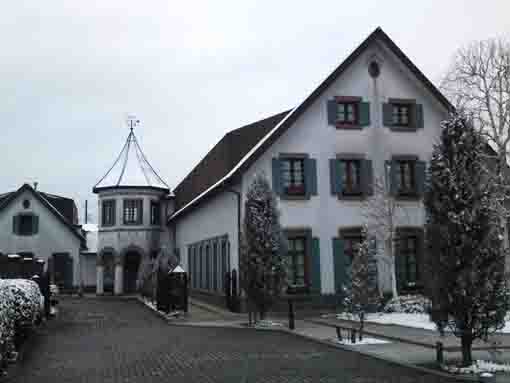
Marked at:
<point>467,357</point>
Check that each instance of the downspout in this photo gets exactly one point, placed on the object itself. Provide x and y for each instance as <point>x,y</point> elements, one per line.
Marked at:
<point>238,195</point>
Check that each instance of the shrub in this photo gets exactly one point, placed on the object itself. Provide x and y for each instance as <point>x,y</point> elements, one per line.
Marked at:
<point>20,304</point>
<point>409,304</point>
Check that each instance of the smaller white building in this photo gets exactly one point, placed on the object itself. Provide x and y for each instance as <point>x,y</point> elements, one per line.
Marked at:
<point>45,226</point>
<point>133,201</point>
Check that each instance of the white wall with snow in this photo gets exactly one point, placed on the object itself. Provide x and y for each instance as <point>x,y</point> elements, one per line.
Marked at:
<point>53,236</point>
<point>325,214</point>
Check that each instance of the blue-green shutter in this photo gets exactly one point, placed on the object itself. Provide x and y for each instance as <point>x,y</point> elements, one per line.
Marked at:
<point>15,224</point>
<point>394,168</point>
<point>387,114</point>
<point>364,113</point>
<point>339,263</point>
<point>311,176</point>
<point>332,112</point>
<point>419,172</point>
<point>277,176</point>
<point>315,269</point>
<point>367,177</point>
<point>35,224</point>
<point>419,116</point>
<point>335,176</point>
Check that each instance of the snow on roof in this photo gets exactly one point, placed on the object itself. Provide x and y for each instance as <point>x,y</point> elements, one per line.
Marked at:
<point>131,168</point>
<point>234,169</point>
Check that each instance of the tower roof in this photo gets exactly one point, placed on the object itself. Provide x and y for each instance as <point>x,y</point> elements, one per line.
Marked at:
<point>131,170</point>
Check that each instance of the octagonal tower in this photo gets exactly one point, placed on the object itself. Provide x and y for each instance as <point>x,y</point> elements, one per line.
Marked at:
<point>133,202</point>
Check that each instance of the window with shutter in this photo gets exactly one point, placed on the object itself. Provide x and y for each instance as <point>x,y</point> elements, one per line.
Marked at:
<point>351,176</point>
<point>407,176</point>
<point>403,115</point>
<point>25,224</point>
<point>295,176</point>
<point>298,260</point>
<point>408,265</point>
<point>346,112</point>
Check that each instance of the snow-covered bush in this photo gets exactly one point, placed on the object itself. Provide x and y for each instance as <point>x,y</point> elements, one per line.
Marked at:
<point>408,304</point>
<point>26,298</point>
<point>20,303</point>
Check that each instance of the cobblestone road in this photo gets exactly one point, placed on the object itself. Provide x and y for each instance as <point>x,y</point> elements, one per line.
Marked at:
<point>108,340</point>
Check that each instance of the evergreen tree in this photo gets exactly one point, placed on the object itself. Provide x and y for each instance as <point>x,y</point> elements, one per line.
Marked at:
<point>466,262</point>
<point>360,295</point>
<point>263,247</point>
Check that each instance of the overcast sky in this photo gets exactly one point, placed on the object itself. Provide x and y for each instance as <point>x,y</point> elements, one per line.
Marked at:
<point>191,71</point>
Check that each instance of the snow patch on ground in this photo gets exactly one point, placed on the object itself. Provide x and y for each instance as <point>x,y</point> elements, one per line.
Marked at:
<point>152,306</point>
<point>478,367</point>
<point>364,341</point>
<point>265,323</point>
<point>410,320</point>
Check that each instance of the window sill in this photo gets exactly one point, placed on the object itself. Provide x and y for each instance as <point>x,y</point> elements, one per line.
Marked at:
<point>399,128</point>
<point>288,197</point>
<point>408,197</point>
<point>132,223</point>
<point>339,125</point>
<point>352,197</point>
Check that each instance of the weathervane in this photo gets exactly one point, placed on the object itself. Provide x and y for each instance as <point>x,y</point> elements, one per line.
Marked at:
<point>132,121</point>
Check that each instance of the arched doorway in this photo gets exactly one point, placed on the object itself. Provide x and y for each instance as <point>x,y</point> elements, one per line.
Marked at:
<point>132,260</point>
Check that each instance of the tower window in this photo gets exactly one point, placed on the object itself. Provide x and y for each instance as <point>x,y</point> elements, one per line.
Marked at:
<point>133,212</point>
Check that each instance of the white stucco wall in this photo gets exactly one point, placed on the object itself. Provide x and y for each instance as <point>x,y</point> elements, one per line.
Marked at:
<point>53,236</point>
<point>214,218</point>
<point>147,237</point>
<point>88,269</point>
<point>325,214</point>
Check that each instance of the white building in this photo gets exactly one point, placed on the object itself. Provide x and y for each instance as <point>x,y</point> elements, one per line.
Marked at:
<point>375,111</point>
<point>45,226</point>
<point>375,117</point>
<point>133,201</point>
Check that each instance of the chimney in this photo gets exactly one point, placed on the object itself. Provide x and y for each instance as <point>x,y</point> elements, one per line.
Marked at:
<point>35,185</point>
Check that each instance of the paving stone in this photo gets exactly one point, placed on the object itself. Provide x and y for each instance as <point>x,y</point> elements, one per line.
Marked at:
<point>107,340</point>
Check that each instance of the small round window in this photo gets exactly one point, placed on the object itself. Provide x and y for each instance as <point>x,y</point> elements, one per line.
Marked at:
<point>26,204</point>
<point>373,69</point>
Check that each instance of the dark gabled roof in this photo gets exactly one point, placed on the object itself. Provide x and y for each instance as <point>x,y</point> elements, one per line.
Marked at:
<point>287,120</point>
<point>64,209</point>
<point>222,158</point>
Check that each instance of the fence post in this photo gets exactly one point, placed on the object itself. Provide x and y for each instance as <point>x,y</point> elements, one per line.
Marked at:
<point>353,335</point>
<point>227,290</point>
<point>235,300</point>
<point>439,353</point>
<point>185,288</point>
<point>291,315</point>
<point>339,333</point>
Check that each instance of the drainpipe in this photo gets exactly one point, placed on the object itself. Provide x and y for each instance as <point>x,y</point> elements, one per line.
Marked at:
<point>238,195</point>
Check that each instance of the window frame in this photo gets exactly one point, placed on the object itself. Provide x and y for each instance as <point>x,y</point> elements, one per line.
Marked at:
<point>401,176</point>
<point>25,216</point>
<point>351,234</point>
<point>292,160</point>
<point>139,214</point>
<point>410,104</point>
<point>306,236</point>
<point>400,107</point>
<point>406,233</point>
<point>347,173</point>
<point>155,219</point>
<point>344,102</point>
<point>103,212</point>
